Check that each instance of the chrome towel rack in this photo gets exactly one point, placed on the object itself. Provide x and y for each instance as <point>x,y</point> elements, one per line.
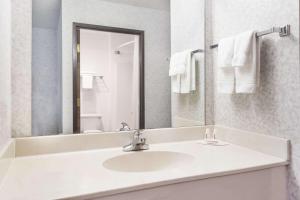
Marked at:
<point>283,32</point>
<point>193,52</point>
<point>197,51</point>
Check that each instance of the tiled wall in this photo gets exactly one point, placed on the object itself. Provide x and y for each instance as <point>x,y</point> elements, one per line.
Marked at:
<point>275,108</point>
<point>155,23</point>
<point>5,71</point>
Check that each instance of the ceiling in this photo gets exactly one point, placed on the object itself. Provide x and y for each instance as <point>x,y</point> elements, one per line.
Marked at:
<point>46,13</point>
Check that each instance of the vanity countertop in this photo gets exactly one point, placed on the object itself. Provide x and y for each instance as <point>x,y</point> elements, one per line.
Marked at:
<point>82,174</point>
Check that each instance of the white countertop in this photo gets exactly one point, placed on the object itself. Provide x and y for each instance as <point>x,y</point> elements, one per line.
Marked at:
<point>74,174</point>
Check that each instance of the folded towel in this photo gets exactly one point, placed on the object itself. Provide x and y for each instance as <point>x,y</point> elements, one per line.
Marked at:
<point>188,79</point>
<point>226,80</point>
<point>225,52</point>
<point>178,63</point>
<point>193,72</point>
<point>175,84</point>
<point>243,49</point>
<point>87,81</point>
<point>247,62</point>
<point>183,72</point>
<point>225,71</point>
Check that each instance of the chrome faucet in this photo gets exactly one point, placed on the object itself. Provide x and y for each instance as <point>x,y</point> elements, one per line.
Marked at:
<point>138,142</point>
<point>125,127</point>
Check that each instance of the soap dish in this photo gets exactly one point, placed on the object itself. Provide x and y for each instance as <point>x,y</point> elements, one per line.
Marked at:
<point>213,142</point>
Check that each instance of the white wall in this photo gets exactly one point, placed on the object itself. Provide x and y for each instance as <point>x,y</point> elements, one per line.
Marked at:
<point>95,58</point>
<point>97,55</point>
<point>124,79</point>
<point>156,24</point>
<point>21,67</point>
<point>46,68</point>
<point>155,4</point>
<point>5,71</point>
<point>45,82</point>
<point>275,108</point>
<point>188,32</point>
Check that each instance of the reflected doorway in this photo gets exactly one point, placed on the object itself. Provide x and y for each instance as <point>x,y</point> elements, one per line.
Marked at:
<point>108,78</point>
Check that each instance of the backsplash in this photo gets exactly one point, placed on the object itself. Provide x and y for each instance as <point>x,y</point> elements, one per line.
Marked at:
<point>275,108</point>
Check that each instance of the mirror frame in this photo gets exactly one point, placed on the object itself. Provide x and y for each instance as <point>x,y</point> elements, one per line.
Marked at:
<point>76,68</point>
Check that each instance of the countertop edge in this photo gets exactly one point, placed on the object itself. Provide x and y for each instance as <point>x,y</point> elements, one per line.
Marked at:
<point>174,181</point>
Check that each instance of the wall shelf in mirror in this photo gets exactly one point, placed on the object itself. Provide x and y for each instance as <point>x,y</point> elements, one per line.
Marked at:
<point>93,115</point>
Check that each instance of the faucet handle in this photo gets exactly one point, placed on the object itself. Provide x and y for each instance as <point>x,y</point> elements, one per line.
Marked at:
<point>125,127</point>
<point>138,132</point>
<point>138,136</point>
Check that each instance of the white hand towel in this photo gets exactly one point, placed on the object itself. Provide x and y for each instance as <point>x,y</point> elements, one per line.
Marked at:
<point>188,79</point>
<point>247,63</point>
<point>193,72</point>
<point>225,52</point>
<point>87,81</point>
<point>175,84</point>
<point>243,49</point>
<point>225,71</point>
<point>183,72</point>
<point>178,63</point>
<point>226,80</point>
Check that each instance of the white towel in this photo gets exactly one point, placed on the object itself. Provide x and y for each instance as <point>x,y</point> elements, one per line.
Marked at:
<point>225,52</point>
<point>183,72</point>
<point>225,71</point>
<point>243,49</point>
<point>175,84</point>
<point>188,79</point>
<point>226,80</point>
<point>178,63</point>
<point>87,81</point>
<point>247,62</point>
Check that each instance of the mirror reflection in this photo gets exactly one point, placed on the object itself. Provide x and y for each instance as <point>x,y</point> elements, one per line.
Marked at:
<point>106,66</point>
<point>109,63</point>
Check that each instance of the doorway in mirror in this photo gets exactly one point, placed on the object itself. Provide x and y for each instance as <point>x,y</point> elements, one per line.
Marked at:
<point>108,79</point>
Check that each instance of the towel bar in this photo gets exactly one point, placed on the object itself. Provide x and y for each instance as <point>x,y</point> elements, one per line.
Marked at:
<point>283,32</point>
<point>193,52</point>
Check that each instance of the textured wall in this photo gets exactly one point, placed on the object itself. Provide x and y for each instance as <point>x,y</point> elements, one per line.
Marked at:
<point>275,108</point>
<point>156,24</point>
<point>188,32</point>
<point>21,67</point>
<point>59,72</point>
<point>45,82</point>
<point>5,71</point>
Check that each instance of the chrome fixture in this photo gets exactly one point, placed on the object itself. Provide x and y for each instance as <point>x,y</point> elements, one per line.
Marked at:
<point>118,52</point>
<point>193,52</point>
<point>283,32</point>
<point>138,142</point>
<point>125,127</point>
<point>197,51</point>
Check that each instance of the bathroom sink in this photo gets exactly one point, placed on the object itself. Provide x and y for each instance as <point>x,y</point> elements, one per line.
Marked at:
<point>148,161</point>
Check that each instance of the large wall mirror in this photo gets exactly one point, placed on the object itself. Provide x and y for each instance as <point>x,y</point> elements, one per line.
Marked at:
<point>105,66</point>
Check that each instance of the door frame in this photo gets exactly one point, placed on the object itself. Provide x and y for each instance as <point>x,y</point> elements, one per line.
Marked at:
<point>76,68</point>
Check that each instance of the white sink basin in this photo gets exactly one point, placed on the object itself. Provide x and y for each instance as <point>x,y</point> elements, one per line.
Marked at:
<point>148,161</point>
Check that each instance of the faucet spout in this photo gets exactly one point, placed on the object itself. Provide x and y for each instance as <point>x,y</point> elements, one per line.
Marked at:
<point>138,143</point>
